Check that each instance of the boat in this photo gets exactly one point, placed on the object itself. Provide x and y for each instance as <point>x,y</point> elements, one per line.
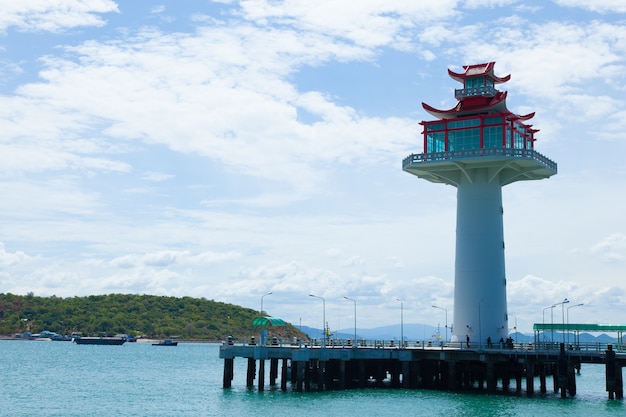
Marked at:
<point>166,342</point>
<point>99,340</point>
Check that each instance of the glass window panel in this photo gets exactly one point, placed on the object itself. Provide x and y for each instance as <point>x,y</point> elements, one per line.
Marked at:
<point>492,137</point>
<point>493,120</point>
<point>463,123</point>
<point>464,139</point>
<point>435,142</point>
<point>435,126</point>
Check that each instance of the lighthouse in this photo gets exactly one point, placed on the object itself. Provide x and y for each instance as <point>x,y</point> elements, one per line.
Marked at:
<point>479,146</point>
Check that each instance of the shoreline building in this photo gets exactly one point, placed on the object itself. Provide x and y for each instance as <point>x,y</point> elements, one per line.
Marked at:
<point>479,146</point>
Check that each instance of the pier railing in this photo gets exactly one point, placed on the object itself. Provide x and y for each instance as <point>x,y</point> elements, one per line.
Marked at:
<point>430,344</point>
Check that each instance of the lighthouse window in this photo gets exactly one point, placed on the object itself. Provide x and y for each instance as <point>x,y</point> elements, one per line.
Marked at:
<point>434,126</point>
<point>474,82</point>
<point>464,139</point>
<point>493,120</point>
<point>463,123</point>
<point>492,137</point>
<point>519,141</point>
<point>436,142</point>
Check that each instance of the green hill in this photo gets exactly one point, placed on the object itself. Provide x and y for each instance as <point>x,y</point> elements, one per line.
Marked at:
<point>136,315</point>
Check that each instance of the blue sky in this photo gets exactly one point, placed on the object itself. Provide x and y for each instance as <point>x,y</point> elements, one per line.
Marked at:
<point>226,149</point>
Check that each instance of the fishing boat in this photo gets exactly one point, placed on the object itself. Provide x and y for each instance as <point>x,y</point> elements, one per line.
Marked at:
<point>166,342</point>
<point>99,340</point>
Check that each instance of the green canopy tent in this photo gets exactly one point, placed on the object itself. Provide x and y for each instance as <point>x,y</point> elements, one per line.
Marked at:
<point>264,321</point>
<point>272,321</point>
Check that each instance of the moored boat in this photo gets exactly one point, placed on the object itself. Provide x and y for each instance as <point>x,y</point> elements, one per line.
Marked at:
<point>99,340</point>
<point>166,342</point>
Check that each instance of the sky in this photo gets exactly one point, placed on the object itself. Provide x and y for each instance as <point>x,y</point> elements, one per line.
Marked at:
<point>228,149</point>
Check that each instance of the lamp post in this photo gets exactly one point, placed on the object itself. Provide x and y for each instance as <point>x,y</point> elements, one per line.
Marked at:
<point>401,322</point>
<point>565,301</point>
<point>441,308</point>
<point>261,312</point>
<point>354,301</point>
<point>577,305</point>
<point>480,329</point>
<point>323,316</point>
<point>544,323</point>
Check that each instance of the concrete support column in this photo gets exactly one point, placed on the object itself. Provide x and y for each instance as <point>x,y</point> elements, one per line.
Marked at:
<point>261,383</point>
<point>251,372</point>
<point>321,382</point>
<point>451,375</point>
<point>273,371</point>
<point>506,377</point>
<point>518,379</point>
<point>228,372</point>
<point>571,380</point>
<point>342,374</point>
<point>362,376</point>
<point>491,377</point>
<point>300,371</point>
<point>406,374</point>
<point>283,375</point>
<point>307,375</point>
<point>395,373</point>
<point>613,372</point>
<point>530,378</point>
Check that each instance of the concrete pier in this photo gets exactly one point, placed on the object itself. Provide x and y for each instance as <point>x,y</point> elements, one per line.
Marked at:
<point>306,368</point>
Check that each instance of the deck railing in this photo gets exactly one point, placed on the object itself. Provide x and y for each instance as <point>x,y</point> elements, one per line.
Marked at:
<point>478,153</point>
<point>484,90</point>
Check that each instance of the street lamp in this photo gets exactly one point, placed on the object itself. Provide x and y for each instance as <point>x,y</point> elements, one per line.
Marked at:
<point>544,323</point>
<point>565,301</point>
<point>401,322</point>
<point>480,329</point>
<point>577,305</point>
<point>354,301</point>
<point>441,308</point>
<point>269,293</point>
<point>323,316</point>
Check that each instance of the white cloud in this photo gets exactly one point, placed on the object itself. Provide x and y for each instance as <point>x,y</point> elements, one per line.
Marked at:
<point>600,6</point>
<point>170,257</point>
<point>11,259</point>
<point>371,23</point>
<point>157,176</point>
<point>477,4</point>
<point>53,15</point>
<point>612,248</point>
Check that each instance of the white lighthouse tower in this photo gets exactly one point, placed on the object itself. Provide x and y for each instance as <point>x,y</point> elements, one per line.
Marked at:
<point>479,146</point>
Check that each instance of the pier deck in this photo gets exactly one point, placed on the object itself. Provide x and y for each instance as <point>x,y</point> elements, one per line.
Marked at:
<point>445,367</point>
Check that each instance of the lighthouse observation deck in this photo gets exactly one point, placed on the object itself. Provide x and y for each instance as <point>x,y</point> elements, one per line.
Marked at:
<point>508,164</point>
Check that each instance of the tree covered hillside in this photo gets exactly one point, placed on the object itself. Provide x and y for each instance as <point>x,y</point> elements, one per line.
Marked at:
<point>152,316</point>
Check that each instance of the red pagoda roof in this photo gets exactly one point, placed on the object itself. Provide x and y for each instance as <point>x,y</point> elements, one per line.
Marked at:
<point>492,102</point>
<point>477,70</point>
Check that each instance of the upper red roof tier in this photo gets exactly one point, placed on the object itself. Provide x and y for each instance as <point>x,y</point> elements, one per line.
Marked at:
<point>477,70</point>
<point>485,101</point>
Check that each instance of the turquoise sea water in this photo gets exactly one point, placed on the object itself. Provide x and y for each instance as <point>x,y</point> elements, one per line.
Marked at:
<point>138,379</point>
